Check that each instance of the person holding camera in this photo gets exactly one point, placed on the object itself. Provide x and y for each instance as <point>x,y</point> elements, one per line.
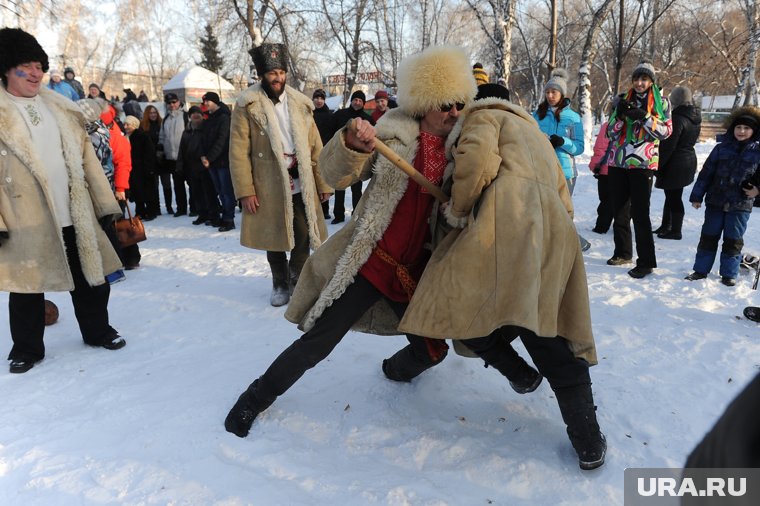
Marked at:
<point>728,183</point>
<point>640,121</point>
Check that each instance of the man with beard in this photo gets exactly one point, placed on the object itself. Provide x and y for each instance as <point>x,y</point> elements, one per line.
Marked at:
<point>274,147</point>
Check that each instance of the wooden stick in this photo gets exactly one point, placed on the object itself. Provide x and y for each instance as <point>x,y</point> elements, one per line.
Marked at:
<point>410,171</point>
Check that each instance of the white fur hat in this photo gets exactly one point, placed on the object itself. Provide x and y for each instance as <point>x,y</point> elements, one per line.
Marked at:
<point>437,76</point>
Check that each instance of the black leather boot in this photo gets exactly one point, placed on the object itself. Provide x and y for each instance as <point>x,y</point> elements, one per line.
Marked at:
<point>675,228</point>
<point>244,412</point>
<point>579,414</point>
<point>405,364</point>
<point>666,223</point>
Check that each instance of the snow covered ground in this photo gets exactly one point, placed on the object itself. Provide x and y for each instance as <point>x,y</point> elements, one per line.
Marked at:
<point>144,426</point>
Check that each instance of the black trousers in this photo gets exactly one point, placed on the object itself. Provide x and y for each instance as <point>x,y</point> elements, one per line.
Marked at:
<point>551,355</point>
<point>167,175</point>
<point>634,185</point>
<point>673,202</point>
<point>299,254</point>
<point>604,209</point>
<point>315,345</point>
<point>339,209</point>
<point>204,193</point>
<point>27,310</point>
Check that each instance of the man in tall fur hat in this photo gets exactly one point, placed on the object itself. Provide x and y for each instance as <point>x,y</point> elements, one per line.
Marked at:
<point>274,147</point>
<point>364,276</point>
<point>54,197</point>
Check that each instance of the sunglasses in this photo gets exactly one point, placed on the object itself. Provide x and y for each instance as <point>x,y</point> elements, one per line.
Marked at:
<point>173,101</point>
<point>449,107</point>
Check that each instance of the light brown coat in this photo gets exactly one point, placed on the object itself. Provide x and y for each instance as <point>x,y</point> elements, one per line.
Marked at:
<point>257,168</point>
<point>517,261</point>
<point>33,258</point>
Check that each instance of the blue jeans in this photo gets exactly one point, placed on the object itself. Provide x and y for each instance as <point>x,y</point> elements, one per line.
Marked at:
<point>732,224</point>
<point>220,176</point>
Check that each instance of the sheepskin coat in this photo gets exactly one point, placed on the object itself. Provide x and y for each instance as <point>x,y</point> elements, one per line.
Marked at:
<point>33,258</point>
<point>257,168</point>
<point>333,267</point>
<point>517,259</point>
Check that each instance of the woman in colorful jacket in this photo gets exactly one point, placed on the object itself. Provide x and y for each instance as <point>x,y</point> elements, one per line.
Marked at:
<point>640,121</point>
<point>728,184</point>
<point>563,127</point>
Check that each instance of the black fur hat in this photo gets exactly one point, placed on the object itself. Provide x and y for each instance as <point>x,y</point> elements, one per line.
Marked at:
<point>17,47</point>
<point>269,56</point>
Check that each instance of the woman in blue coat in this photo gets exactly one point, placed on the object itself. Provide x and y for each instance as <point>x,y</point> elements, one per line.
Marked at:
<point>563,127</point>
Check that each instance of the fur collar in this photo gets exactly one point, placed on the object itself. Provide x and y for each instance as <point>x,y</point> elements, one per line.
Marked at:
<point>261,110</point>
<point>70,120</point>
<point>378,204</point>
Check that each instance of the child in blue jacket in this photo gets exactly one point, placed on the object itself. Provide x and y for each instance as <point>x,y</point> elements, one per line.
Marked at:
<point>728,188</point>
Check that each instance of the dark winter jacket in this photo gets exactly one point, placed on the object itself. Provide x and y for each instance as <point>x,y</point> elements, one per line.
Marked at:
<point>216,137</point>
<point>143,164</point>
<point>189,159</point>
<point>323,117</point>
<point>678,161</point>
<point>341,117</point>
<point>720,181</point>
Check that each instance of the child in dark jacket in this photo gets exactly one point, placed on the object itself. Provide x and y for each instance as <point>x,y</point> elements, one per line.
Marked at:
<point>724,184</point>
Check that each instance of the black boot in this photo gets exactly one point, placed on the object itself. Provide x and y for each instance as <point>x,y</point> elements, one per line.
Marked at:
<point>522,377</point>
<point>280,284</point>
<point>675,228</point>
<point>579,413</point>
<point>666,223</point>
<point>244,412</point>
<point>405,364</point>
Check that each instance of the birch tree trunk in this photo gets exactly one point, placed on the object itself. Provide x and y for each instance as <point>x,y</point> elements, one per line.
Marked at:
<point>584,70</point>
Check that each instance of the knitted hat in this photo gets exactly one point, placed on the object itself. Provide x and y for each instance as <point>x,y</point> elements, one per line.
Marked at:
<point>381,94</point>
<point>17,47</point>
<point>557,81</point>
<point>93,85</point>
<point>67,70</point>
<point>480,75</point>
<point>90,108</point>
<point>194,109</point>
<point>437,76</point>
<point>681,95</point>
<point>269,56</point>
<point>492,90</point>
<point>170,97</point>
<point>132,121</point>
<point>211,97</point>
<point>746,120</point>
<point>55,72</point>
<point>319,92</point>
<point>645,68</point>
<point>358,94</point>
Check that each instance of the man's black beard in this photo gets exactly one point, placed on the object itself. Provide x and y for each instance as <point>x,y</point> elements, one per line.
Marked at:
<point>273,95</point>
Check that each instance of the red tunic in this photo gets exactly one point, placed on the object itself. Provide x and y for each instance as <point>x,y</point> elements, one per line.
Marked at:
<point>404,239</point>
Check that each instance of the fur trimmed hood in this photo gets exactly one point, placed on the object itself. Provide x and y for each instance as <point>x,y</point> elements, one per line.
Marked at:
<point>747,110</point>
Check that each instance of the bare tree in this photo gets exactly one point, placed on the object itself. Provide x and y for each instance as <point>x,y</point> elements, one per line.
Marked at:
<point>497,23</point>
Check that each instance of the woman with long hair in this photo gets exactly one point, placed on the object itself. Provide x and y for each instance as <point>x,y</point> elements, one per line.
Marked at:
<point>151,125</point>
<point>563,127</point>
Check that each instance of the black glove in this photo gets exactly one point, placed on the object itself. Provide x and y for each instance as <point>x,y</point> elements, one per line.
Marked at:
<point>106,222</point>
<point>556,140</point>
<point>636,113</point>
<point>622,107</point>
<point>4,236</point>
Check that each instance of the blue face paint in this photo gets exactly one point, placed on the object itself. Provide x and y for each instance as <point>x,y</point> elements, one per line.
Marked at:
<point>21,73</point>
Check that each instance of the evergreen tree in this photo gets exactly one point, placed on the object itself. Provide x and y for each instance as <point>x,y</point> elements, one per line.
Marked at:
<point>211,57</point>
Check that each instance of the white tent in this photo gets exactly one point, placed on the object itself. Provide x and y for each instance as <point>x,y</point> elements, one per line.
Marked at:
<point>191,84</point>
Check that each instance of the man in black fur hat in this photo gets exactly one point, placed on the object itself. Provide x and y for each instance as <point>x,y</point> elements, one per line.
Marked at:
<point>274,148</point>
<point>50,236</point>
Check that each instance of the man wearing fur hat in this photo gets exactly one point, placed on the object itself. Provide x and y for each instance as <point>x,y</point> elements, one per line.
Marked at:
<point>274,147</point>
<point>640,121</point>
<point>340,118</point>
<point>54,195</point>
<point>364,276</point>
